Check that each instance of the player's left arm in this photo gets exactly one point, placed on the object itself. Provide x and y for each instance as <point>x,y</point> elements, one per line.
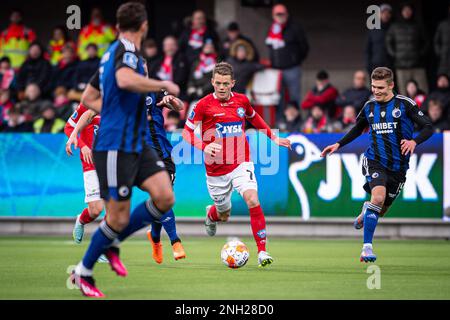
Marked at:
<point>424,123</point>
<point>255,119</point>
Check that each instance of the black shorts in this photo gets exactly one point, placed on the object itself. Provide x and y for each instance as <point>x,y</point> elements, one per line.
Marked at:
<point>377,175</point>
<point>119,171</point>
<point>170,167</point>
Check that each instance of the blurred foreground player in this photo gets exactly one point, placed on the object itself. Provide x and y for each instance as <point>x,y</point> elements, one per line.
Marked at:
<point>222,117</point>
<point>390,119</point>
<point>121,156</point>
<point>156,138</point>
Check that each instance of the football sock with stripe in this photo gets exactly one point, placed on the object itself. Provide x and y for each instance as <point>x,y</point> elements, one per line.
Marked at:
<point>168,222</point>
<point>101,240</point>
<point>258,223</point>
<point>370,222</point>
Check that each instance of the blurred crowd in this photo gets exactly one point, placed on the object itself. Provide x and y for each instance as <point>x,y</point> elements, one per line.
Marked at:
<point>40,86</point>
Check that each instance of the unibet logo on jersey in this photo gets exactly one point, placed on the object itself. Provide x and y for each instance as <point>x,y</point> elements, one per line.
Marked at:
<point>384,127</point>
<point>229,129</point>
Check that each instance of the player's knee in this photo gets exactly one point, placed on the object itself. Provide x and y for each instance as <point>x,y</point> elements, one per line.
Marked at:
<point>95,208</point>
<point>165,201</point>
<point>378,200</point>
<point>252,199</point>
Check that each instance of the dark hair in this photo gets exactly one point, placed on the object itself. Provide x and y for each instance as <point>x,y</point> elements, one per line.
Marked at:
<point>92,45</point>
<point>149,43</point>
<point>224,69</point>
<point>64,31</point>
<point>5,59</point>
<point>322,75</point>
<point>233,26</point>
<point>382,73</point>
<point>130,16</point>
<point>173,114</point>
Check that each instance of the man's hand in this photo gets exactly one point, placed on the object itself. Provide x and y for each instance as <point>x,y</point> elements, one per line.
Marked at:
<point>72,141</point>
<point>171,102</point>
<point>171,87</point>
<point>329,149</point>
<point>283,142</point>
<point>87,155</point>
<point>212,149</point>
<point>407,146</point>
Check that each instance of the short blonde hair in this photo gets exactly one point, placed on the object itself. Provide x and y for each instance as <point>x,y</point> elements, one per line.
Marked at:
<point>224,69</point>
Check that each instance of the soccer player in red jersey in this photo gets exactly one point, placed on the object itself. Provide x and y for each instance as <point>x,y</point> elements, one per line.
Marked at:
<point>91,184</point>
<point>222,117</point>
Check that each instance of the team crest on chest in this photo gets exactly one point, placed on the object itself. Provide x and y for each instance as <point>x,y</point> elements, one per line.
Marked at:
<point>396,113</point>
<point>241,112</point>
<point>148,101</point>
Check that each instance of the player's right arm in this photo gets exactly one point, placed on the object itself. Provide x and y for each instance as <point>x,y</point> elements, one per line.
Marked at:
<point>195,118</point>
<point>359,127</point>
<point>91,97</point>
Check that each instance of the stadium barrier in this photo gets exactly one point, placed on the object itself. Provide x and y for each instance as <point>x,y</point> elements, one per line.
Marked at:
<point>38,179</point>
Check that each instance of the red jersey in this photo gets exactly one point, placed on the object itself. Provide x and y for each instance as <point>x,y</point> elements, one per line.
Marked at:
<point>86,135</point>
<point>223,122</point>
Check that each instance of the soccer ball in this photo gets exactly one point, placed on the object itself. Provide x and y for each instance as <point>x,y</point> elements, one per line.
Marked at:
<point>234,254</point>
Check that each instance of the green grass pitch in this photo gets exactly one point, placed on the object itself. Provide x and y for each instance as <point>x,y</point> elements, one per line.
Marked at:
<point>35,268</point>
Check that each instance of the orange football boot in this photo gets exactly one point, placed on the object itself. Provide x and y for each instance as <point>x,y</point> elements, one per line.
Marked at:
<point>157,249</point>
<point>178,251</point>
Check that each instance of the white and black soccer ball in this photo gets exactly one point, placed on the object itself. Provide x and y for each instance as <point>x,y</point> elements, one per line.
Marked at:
<point>234,254</point>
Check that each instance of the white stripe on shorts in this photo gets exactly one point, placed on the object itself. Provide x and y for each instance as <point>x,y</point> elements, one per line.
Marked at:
<point>111,168</point>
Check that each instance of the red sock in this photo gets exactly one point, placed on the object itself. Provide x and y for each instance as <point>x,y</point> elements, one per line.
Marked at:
<point>258,223</point>
<point>85,217</point>
<point>212,214</point>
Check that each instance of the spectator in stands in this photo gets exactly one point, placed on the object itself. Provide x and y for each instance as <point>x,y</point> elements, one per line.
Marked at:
<point>292,121</point>
<point>31,106</point>
<point>172,122</point>
<point>347,121</point>
<point>242,59</point>
<point>234,34</point>
<point>64,72</point>
<point>414,92</point>
<point>442,45</point>
<point>16,40</point>
<point>199,83</point>
<point>150,51</point>
<point>17,122</point>
<point>375,51</point>
<point>84,72</point>
<point>357,95</point>
<point>407,43</point>
<point>7,74</point>
<point>36,69</point>
<point>59,40</point>
<point>317,122</point>
<point>98,32</point>
<point>442,91</point>
<point>193,37</point>
<point>323,94</point>
<point>436,113</point>
<point>171,66</point>
<point>48,122</point>
<point>288,47</point>
<point>5,105</point>
<point>62,103</point>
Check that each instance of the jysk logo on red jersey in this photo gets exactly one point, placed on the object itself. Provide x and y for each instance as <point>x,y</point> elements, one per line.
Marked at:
<point>229,129</point>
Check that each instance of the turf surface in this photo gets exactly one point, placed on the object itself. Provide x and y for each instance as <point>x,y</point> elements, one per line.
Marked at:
<point>35,268</point>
